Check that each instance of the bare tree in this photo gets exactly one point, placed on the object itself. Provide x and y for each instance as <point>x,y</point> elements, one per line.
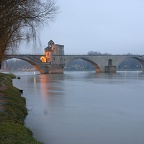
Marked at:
<point>97,53</point>
<point>94,53</point>
<point>20,19</point>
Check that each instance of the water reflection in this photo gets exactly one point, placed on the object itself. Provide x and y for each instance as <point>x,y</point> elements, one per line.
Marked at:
<point>43,86</point>
<point>52,89</point>
<point>50,84</point>
<point>35,86</point>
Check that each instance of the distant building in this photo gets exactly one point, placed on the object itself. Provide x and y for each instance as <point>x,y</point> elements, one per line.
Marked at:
<point>52,49</point>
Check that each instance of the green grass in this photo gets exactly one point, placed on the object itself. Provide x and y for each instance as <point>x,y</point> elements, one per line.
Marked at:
<point>15,133</point>
<point>12,129</point>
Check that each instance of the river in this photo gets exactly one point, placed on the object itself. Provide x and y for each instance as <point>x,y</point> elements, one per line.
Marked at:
<point>84,107</point>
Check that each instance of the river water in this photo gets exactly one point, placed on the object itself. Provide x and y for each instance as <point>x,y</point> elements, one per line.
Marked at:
<point>84,107</point>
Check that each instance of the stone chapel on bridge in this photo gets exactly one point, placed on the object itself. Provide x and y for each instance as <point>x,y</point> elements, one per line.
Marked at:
<point>52,49</point>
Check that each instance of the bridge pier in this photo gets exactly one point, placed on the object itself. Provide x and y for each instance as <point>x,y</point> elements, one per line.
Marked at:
<point>110,69</point>
<point>99,70</point>
<point>51,69</point>
<point>142,66</point>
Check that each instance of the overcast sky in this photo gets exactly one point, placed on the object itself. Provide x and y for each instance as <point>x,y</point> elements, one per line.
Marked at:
<point>106,26</point>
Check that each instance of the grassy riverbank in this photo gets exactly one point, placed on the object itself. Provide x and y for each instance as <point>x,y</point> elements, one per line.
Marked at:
<point>12,114</point>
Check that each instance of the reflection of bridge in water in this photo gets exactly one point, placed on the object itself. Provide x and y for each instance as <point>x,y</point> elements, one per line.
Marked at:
<point>102,63</point>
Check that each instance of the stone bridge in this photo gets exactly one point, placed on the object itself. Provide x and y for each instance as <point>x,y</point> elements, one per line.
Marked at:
<point>102,63</point>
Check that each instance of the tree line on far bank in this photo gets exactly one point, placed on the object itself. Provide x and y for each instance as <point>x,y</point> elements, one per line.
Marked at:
<point>99,53</point>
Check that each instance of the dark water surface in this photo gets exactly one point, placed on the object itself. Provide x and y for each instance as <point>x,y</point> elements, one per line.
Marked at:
<point>85,107</point>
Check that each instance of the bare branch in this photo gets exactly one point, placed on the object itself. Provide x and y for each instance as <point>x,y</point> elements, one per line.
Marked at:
<point>19,20</point>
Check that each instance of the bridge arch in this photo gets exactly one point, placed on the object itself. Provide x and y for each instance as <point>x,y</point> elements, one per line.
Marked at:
<point>96,66</point>
<point>139,59</point>
<point>29,61</point>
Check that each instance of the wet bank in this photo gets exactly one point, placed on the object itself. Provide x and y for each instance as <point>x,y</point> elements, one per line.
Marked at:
<point>12,114</point>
